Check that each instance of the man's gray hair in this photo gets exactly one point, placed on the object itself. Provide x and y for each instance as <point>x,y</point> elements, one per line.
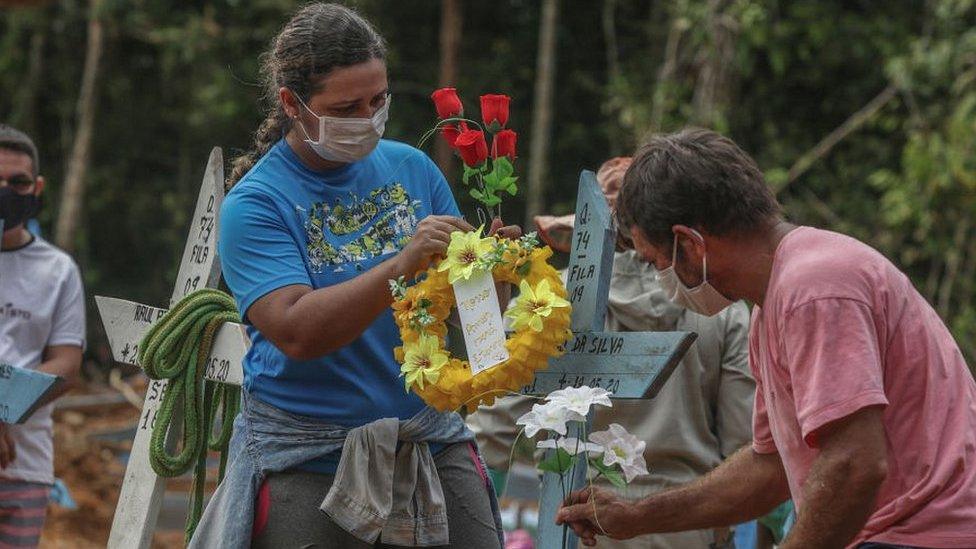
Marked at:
<point>15,140</point>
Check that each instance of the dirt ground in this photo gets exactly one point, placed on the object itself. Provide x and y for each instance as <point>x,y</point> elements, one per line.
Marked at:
<point>89,461</point>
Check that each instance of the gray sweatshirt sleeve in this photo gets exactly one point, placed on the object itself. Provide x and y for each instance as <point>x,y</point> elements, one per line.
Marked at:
<point>737,388</point>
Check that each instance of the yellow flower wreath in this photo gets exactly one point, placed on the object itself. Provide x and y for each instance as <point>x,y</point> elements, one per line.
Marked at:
<point>540,318</point>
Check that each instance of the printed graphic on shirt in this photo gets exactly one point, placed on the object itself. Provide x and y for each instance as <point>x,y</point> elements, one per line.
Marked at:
<point>360,228</point>
<point>8,310</point>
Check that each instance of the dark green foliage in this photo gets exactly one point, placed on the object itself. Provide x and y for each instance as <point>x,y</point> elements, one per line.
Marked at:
<point>180,77</point>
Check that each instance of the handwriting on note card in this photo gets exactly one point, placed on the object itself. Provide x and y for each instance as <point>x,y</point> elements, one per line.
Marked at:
<point>481,322</point>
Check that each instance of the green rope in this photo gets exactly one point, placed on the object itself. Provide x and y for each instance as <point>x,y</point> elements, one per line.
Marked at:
<point>176,348</point>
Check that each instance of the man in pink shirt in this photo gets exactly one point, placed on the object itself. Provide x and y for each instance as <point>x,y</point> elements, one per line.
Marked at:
<point>865,411</point>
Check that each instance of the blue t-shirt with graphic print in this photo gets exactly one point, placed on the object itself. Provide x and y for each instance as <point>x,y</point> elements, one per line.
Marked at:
<point>285,224</point>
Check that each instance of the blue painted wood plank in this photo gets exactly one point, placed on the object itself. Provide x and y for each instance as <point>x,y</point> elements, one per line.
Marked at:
<point>628,364</point>
<point>554,490</point>
<point>21,390</point>
<point>591,257</point>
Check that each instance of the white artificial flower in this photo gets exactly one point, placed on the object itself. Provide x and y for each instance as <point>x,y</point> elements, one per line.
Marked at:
<point>547,417</point>
<point>579,399</point>
<point>623,448</point>
<point>571,445</point>
<point>635,469</point>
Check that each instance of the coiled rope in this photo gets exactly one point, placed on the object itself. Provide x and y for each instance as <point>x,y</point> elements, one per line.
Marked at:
<point>176,349</point>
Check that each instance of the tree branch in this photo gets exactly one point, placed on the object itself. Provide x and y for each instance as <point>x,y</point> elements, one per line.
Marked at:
<point>852,124</point>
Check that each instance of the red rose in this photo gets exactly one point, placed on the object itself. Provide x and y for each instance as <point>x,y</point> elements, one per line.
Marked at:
<point>447,102</point>
<point>504,144</point>
<point>472,147</point>
<point>494,109</point>
<point>450,132</point>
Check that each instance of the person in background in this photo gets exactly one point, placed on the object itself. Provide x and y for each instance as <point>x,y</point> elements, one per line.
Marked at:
<point>702,414</point>
<point>42,328</point>
<point>865,410</point>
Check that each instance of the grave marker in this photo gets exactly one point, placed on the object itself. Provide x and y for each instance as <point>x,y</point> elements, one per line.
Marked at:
<point>125,324</point>
<point>629,364</point>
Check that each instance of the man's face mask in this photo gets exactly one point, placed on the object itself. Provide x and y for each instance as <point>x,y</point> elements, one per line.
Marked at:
<point>16,208</point>
<point>347,139</point>
<point>702,299</point>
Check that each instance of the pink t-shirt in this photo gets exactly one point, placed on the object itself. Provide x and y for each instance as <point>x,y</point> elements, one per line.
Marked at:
<point>842,329</point>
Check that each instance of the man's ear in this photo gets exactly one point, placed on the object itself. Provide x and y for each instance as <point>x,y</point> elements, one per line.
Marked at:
<point>39,185</point>
<point>691,242</point>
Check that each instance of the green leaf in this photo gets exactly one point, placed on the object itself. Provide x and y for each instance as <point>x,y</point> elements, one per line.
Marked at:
<point>612,473</point>
<point>503,166</point>
<point>468,172</point>
<point>492,179</point>
<point>477,195</point>
<point>508,185</point>
<point>559,462</point>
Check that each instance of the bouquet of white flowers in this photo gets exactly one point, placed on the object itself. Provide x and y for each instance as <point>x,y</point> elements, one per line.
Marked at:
<point>613,454</point>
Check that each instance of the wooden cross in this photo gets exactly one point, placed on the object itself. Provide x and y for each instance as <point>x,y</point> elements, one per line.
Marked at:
<point>629,364</point>
<point>125,324</point>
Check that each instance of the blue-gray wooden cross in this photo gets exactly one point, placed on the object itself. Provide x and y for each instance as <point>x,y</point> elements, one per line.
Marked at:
<point>629,364</point>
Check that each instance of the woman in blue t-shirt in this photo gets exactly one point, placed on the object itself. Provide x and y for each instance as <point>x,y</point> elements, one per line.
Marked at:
<point>321,215</point>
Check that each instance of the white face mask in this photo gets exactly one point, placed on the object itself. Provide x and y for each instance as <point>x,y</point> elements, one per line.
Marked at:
<point>347,139</point>
<point>702,299</point>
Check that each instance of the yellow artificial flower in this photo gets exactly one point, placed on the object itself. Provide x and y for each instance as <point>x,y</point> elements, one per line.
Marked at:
<point>423,361</point>
<point>463,253</point>
<point>534,305</point>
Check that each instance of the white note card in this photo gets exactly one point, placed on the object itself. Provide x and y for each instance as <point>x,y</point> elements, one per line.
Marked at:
<point>481,321</point>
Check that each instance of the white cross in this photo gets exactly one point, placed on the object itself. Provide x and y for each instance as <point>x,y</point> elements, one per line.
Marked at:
<point>125,324</point>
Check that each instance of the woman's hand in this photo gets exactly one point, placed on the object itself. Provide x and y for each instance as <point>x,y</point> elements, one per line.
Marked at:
<point>429,242</point>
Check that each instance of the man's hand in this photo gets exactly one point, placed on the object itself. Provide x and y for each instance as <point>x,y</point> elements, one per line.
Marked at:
<point>499,228</point>
<point>743,487</point>
<point>7,451</point>
<point>598,511</point>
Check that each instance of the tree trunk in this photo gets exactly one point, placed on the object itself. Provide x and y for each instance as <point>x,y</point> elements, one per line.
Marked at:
<point>665,73</point>
<point>614,73</point>
<point>73,192</point>
<point>451,22</point>
<point>25,110</point>
<point>713,88</point>
<point>545,77</point>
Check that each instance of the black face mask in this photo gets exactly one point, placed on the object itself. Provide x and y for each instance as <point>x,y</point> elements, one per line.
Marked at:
<point>16,208</point>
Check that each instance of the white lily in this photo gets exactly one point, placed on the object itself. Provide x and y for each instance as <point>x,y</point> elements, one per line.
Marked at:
<point>571,445</point>
<point>579,399</point>
<point>623,448</point>
<point>548,417</point>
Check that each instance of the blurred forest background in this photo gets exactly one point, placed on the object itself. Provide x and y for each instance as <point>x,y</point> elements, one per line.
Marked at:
<point>861,113</point>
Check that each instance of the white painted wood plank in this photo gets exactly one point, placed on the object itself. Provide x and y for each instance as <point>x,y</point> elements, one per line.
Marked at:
<point>142,489</point>
<point>126,322</point>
